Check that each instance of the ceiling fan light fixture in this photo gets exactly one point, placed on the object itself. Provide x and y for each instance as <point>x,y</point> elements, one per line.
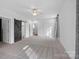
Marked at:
<point>34,12</point>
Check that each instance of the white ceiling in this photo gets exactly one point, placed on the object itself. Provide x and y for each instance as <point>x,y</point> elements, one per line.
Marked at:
<point>48,7</point>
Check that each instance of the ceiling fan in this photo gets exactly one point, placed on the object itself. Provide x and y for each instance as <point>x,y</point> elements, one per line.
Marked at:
<point>33,10</point>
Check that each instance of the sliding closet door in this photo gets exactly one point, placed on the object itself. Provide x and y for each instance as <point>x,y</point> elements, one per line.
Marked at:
<point>17,30</point>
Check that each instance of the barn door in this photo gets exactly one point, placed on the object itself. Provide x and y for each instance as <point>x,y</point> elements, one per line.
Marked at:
<point>1,30</point>
<point>17,30</point>
<point>77,31</point>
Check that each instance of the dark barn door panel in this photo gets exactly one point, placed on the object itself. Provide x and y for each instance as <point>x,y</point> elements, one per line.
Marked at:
<point>1,30</point>
<point>17,30</point>
<point>77,30</point>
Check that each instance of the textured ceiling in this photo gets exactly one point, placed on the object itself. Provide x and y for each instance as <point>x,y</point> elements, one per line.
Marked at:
<point>47,7</point>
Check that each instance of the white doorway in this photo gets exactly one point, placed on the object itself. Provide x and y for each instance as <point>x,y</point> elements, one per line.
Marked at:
<point>5,27</point>
<point>25,30</point>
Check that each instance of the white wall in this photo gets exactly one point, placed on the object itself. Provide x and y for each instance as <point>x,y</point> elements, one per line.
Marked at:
<point>46,27</point>
<point>67,20</point>
<point>11,31</point>
<point>23,29</point>
<point>27,30</point>
<point>31,29</point>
